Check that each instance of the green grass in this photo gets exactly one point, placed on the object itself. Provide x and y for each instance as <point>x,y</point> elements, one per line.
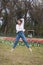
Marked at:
<point>20,56</point>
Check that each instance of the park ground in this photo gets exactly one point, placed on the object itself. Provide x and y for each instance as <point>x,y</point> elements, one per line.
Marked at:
<point>21,55</point>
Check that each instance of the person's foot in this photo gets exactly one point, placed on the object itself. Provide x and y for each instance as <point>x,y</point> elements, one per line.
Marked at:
<point>30,50</point>
<point>12,50</point>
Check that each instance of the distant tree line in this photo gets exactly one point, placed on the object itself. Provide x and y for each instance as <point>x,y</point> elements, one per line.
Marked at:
<point>30,10</point>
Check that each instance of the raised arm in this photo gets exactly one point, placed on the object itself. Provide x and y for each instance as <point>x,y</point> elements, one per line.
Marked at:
<point>22,20</point>
<point>23,24</point>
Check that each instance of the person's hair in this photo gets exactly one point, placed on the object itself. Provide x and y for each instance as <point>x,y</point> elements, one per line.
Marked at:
<point>19,20</point>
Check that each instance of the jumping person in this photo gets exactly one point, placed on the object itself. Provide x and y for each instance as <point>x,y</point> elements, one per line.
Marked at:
<point>20,34</point>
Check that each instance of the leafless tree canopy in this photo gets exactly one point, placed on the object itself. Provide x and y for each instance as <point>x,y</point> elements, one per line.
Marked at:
<point>31,10</point>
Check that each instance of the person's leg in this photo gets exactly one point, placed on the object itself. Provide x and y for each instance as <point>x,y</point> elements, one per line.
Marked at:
<point>16,41</point>
<point>25,41</point>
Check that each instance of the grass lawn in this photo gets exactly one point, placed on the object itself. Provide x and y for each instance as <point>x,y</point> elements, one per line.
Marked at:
<point>20,56</point>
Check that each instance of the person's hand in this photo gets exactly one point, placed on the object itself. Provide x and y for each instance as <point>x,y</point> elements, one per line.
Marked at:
<point>24,30</point>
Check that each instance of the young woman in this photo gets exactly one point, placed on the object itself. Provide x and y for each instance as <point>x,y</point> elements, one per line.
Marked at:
<point>20,34</point>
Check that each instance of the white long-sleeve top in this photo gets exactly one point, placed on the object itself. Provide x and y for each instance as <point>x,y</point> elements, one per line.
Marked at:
<point>20,27</point>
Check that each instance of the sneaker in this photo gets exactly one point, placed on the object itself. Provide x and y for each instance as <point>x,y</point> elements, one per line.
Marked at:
<point>30,50</point>
<point>12,50</point>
